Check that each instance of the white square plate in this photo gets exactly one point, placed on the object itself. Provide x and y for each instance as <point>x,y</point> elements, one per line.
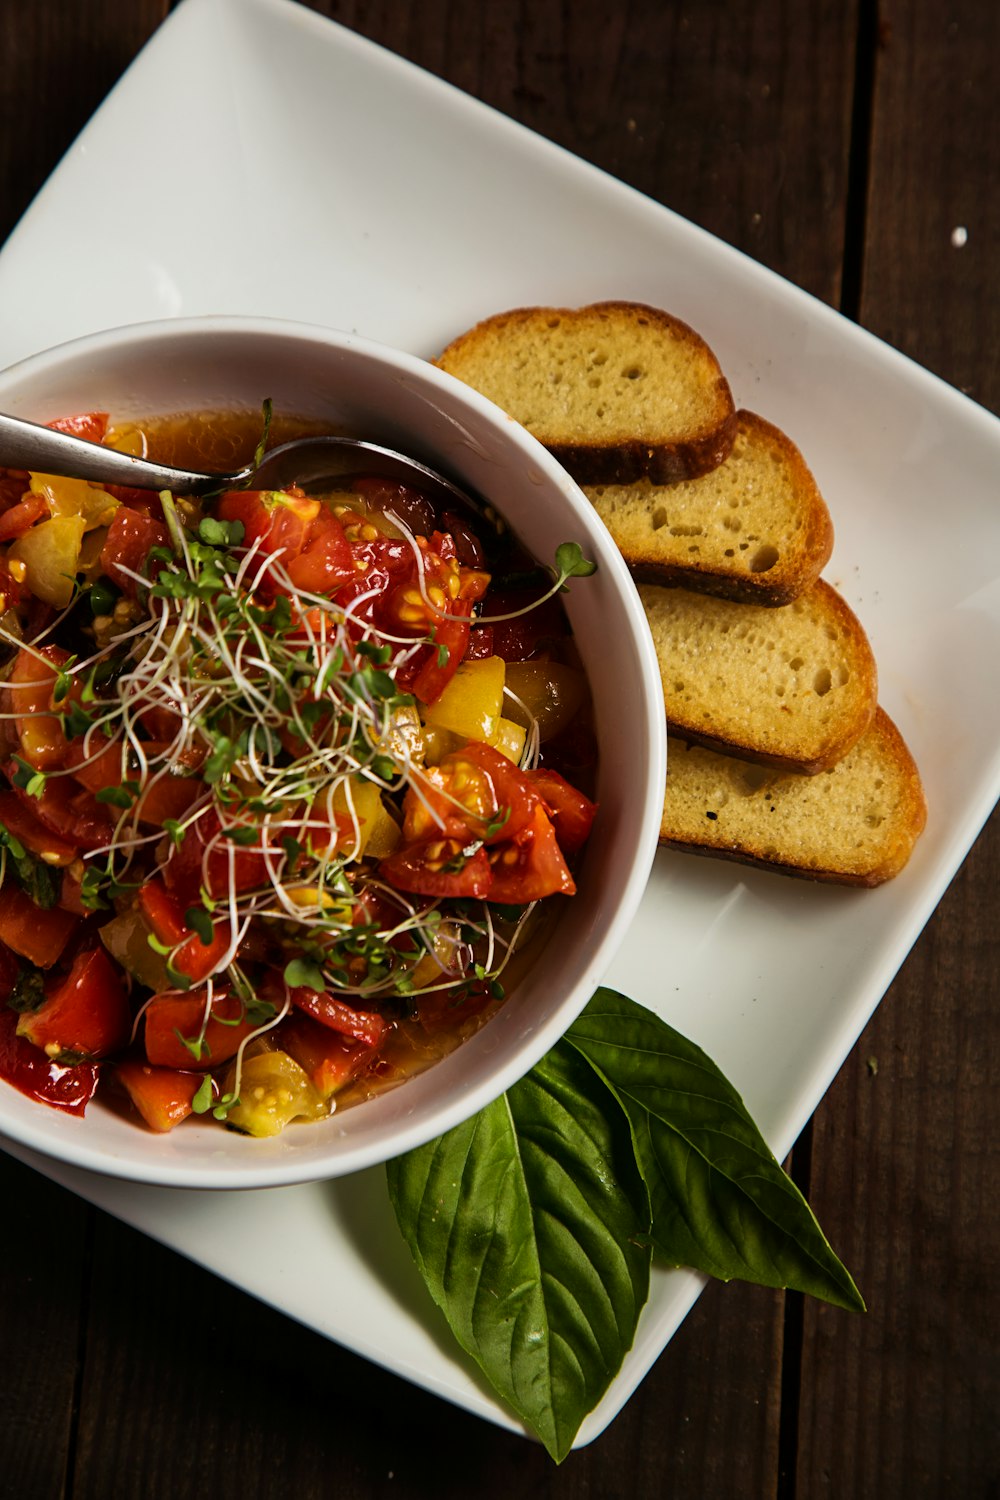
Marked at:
<point>304,173</point>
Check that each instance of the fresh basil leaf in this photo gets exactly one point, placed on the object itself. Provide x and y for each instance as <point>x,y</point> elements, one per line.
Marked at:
<point>720,1201</point>
<point>528,1224</point>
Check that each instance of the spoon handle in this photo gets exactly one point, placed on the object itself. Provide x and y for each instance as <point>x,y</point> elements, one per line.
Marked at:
<point>26,445</point>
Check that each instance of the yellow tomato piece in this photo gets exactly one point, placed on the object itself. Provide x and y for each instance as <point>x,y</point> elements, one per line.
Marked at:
<point>273,1091</point>
<point>548,691</point>
<point>75,497</point>
<point>357,805</point>
<point>444,959</point>
<point>50,552</point>
<point>126,438</point>
<point>440,742</point>
<point>472,702</point>
<point>383,836</point>
<point>509,739</point>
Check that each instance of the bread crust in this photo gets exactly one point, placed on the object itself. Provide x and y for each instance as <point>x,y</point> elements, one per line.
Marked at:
<point>625,456</point>
<point>852,855</point>
<point>788,745</point>
<point>802,553</point>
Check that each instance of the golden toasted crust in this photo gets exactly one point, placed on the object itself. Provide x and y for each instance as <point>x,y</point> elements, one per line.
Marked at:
<point>615,390</point>
<point>756,529</point>
<point>856,824</point>
<point>793,687</point>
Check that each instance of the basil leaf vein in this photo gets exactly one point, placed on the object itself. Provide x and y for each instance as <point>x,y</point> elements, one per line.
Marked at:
<point>529,1226</point>
<point>720,1201</point>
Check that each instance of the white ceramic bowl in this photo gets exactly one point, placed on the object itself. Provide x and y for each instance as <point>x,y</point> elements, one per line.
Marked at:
<point>221,363</point>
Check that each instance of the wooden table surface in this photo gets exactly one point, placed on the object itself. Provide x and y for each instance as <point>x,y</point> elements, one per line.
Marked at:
<point>841,144</point>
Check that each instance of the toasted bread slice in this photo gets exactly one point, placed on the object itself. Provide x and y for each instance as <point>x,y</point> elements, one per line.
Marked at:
<point>793,687</point>
<point>616,391</point>
<point>855,824</point>
<point>755,529</point>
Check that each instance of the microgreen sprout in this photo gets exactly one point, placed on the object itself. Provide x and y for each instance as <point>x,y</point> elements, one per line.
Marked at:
<point>277,711</point>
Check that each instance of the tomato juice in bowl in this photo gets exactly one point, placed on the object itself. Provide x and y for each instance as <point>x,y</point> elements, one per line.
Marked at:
<point>145,375</point>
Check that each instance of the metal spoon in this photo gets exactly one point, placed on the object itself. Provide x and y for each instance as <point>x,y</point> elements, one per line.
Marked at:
<point>26,445</point>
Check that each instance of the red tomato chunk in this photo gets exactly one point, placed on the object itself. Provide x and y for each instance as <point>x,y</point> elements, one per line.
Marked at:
<point>266,804</point>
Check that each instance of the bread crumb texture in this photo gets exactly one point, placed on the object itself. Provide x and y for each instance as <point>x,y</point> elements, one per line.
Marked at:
<point>756,526</point>
<point>794,687</point>
<point>613,372</point>
<point>855,824</point>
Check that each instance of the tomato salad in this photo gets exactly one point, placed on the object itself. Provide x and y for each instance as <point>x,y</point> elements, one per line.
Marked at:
<point>286,777</point>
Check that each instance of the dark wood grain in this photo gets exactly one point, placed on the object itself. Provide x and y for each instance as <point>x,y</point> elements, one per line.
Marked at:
<point>128,1372</point>
<point>905,1163</point>
<point>737,116</point>
<point>905,1172</point>
<point>46,1258</point>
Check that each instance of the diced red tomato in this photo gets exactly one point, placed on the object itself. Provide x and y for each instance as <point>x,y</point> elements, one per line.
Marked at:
<point>571,812</point>
<point>18,817</point>
<point>530,866</point>
<point>467,796</point>
<point>9,968</point>
<point>97,762</point>
<point>37,935</point>
<point>170,1020</point>
<point>70,812</point>
<point>32,1073</point>
<point>164,915</point>
<point>515,797</point>
<point>167,796</point>
<point>439,867</point>
<point>365,1026</point>
<point>272,519</point>
<point>163,1096</point>
<point>130,538</point>
<point>28,695</point>
<point>331,1059</point>
<point>532,629</point>
<point>326,559</point>
<point>91,426</point>
<point>480,643</point>
<point>86,1013</point>
<point>388,496</point>
<point>203,857</point>
<point>146,502</point>
<point>22,516</point>
<point>441,659</point>
<point>71,894</point>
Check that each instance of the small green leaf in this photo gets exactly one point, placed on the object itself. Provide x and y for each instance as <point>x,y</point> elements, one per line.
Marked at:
<point>118,796</point>
<point>720,1201</point>
<point>15,846</point>
<point>528,1224</point>
<point>202,1101</point>
<point>27,778</point>
<point>218,533</point>
<point>300,973</point>
<point>199,921</point>
<point>571,562</point>
<point>241,834</point>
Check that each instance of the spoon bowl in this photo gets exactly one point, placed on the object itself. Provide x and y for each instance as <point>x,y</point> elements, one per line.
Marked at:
<point>28,445</point>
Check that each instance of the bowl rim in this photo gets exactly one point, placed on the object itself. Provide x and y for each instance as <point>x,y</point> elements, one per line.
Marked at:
<point>292,1167</point>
